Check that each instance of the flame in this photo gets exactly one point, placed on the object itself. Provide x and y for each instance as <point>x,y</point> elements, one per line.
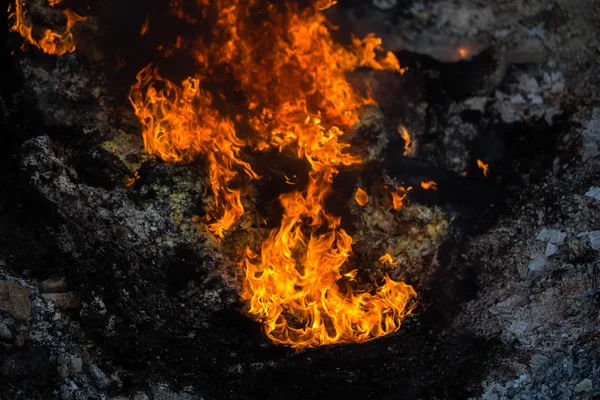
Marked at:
<point>54,3</point>
<point>463,52</point>
<point>406,137</point>
<point>145,26</point>
<point>51,42</point>
<point>399,196</point>
<point>485,168</point>
<point>180,123</point>
<point>296,95</point>
<point>361,197</point>
<point>429,185</point>
<point>387,259</point>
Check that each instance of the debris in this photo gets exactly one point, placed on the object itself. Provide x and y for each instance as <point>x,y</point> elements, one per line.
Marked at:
<point>594,193</point>
<point>53,285</point>
<point>14,299</point>
<point>63,301</point>
<point>537,261</point>
<point>551,249</point>
<point>553,236</point>
<point>583,386</point>
<point>594,237</point>
<point>99,376</point>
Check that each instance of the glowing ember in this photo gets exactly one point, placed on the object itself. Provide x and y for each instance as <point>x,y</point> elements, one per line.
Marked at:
<point>406,137</point>
<point>464,53</point>
<point>361,197</point>
<point>484,167</point>
<point>429,185</point>
<point>51,42</point>
<point>54,3</point>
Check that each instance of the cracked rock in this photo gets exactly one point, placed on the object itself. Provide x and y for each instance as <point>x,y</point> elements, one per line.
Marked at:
<point>14,299</point>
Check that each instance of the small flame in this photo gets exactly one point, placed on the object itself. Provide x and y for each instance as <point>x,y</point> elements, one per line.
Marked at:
<point>429,185</point>
<point>130,181</point>
<point>51,42</point>
<point>387,259</point>
<point>464,53</point>
<point>406,137</point>
<point>399,196</point>
<point>54,3</point>
<point>361,197</point>
<point>145,26</point>
<point>484,167</point>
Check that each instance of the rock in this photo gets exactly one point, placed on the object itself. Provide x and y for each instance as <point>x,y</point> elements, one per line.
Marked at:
<point>99,376</point>
<point>594,237</point>
<point>384,4</point>
<point>583,386</point>
<point>594,193</point>
<point>14,299</point>
<point>76,364</point>
<point>537,261</point>
<point>67,390</point>
<point>5,333</point>
<point>54,285</point>
<point>141,396</point>
<point>553,236</point>
<point>63,301</point>
<point>551,249</point>
<point>591,136</point>
<point>63,370</point>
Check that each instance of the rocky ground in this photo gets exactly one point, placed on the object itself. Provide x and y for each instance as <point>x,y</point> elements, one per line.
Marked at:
<point>108,290</point>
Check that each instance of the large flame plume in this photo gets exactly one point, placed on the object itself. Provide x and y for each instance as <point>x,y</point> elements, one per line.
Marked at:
<point>295,96</point>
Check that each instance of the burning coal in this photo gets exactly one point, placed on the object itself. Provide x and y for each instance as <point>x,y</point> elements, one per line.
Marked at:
<point>295,97</point>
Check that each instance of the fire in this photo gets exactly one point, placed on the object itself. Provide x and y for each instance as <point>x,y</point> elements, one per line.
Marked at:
<point>179,122</point>
<point>399,196</point>
<point>145,26</point>
<point>429,185</point>
<point>361,197</point>
<point>406,137</point>
<point>54,3</point>
<point>51,42</point>
<point>485,168</point>
<point>464,53</point>
<point>387,259</point>
<point>296,96</point>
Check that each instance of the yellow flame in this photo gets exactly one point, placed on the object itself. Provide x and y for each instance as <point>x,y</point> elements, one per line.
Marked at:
<point>406,137</point>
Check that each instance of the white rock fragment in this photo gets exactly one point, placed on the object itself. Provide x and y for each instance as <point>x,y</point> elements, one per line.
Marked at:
<point>551,249</point>
<point>594,237</point>
<point>518,327</point>
<point>535,99</point>
<point>384,4</point>
<point>476,103</point>
<point>583,386</point>
<point>553,236</point>
<point>517,99</point>
<point>537,261</point>
<point>529,85</point>
<point>594,193</point>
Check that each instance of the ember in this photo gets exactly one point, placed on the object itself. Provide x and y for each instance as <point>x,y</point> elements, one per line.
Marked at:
<point>361,197</point>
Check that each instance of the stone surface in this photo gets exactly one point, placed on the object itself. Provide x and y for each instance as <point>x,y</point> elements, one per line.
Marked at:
<point>585,385</point>
<point>5,333</point>
<point>14,299</point>
<point>53,285</point>
<point>63,301</point>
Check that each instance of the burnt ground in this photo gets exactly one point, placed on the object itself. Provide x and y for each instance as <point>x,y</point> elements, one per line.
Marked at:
<point>148,307</point>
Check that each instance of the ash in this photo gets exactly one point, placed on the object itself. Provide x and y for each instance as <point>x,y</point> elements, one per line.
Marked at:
<point>111,289</point>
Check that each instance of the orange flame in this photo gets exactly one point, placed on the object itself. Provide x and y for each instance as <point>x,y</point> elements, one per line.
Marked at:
<point>399,196</point>
<point>406,137</point>
<point>54,3</point>
<point>485,168</point>
<point>387,259</point>
<point>296,95</point>
<point>51,42</point>
<point>361,197</point>
<point>145,26</point>
<point>429,185</point>
<point>464,53</point>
